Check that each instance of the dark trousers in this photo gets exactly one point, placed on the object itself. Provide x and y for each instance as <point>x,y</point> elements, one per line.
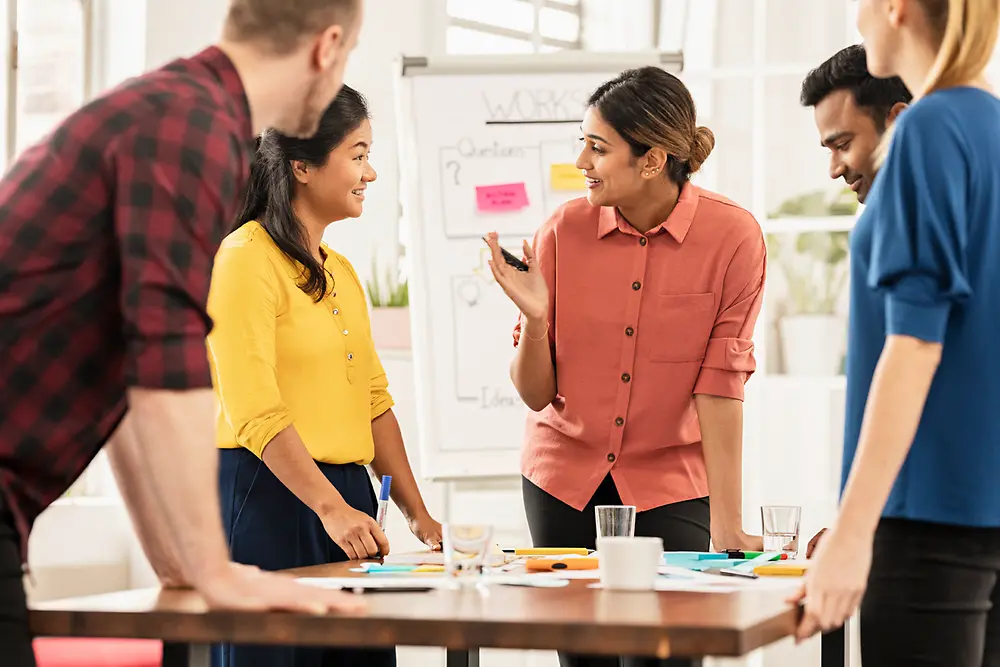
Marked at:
<point>682,527</point>
<point>268,526</point>
<point>932,597</point>
<point>15,638</point>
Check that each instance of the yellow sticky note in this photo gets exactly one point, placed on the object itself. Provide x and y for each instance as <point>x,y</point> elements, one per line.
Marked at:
<point>566,177</point>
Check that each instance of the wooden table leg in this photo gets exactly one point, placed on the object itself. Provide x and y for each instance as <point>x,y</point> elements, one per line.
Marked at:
<point>186,655</point>
<point>468,658</point>
<point>834,648</point>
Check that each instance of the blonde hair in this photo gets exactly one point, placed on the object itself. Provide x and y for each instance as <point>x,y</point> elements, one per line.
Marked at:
<point>968,33</point>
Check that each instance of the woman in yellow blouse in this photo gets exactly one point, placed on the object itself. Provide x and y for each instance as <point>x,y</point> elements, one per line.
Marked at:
<point>304,400</point>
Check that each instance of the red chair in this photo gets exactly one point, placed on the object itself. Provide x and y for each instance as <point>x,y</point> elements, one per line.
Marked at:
<point>87,652</point>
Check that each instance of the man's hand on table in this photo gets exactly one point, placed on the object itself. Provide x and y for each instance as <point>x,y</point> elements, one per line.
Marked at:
<point>247,588</point>
<point>813,543</point>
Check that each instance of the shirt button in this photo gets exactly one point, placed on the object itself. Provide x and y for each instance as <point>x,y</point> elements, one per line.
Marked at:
<point>619,421</point>
<point>629,331</point>
<point>336,311</point>
<point>350,355</point>
<point>345,332</point>
<point>626,377</point>
<point>611,458</point>
<point>636,285</point>
<point>642,241</point>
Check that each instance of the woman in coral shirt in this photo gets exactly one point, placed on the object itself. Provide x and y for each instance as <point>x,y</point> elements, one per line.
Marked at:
<point>634,341</point>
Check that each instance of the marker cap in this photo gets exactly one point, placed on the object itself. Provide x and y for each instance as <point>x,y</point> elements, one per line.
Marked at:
<point>383,493</point>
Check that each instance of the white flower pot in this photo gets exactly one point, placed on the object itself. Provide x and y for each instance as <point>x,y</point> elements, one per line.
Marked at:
<point>391,328</point>
<point>813,344</point>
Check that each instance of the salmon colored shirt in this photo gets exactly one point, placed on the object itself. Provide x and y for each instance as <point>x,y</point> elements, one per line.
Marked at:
<point>638,325</point>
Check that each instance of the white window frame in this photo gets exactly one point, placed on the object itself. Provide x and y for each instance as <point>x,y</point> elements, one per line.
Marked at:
<point>535,37</point>
<point>11,65</point>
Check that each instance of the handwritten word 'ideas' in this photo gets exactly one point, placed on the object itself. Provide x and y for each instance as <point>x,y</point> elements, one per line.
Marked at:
<point>494,397</point>
<point>535,105</point>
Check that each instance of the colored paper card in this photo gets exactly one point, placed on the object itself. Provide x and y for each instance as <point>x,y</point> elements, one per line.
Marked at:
<point>501,198</point>
<point>566,177</point>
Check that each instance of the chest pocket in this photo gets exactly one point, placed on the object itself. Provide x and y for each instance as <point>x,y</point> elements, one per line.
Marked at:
<point>681,326</point>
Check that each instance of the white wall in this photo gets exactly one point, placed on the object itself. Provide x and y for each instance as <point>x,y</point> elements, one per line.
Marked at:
<point>392,28</point>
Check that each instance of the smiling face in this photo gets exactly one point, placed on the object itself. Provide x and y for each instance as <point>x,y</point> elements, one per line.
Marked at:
<point>336,190</point>
<point>851,135</point>
<point>614,174</point>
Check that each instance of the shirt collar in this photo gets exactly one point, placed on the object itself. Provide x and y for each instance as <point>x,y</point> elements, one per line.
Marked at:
<point>221,67</point>
<point>677,223</point>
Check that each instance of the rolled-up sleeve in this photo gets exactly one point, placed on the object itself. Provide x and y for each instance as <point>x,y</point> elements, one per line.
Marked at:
<point>381,399</point>
<point>919,239</point>
<point>544,247</point>
<point>729,359</point>
<point>244,303</point>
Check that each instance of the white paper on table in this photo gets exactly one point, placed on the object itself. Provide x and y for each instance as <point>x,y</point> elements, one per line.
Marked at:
<point>351,583</point>
<point>569,574</point>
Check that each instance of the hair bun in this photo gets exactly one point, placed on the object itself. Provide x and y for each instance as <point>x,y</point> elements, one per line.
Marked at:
<point>701,147</point>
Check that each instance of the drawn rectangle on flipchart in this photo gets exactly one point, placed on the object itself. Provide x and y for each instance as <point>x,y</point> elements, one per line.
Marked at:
<point>479,306</point>
<point>464,167</point>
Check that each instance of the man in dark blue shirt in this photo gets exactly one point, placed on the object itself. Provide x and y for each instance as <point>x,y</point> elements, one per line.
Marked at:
<point>852,110</point>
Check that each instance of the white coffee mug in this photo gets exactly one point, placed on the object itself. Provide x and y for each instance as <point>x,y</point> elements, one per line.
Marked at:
<point>629,563</point>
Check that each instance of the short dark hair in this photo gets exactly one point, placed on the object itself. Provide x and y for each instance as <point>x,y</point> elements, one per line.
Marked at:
<point>282,24</point>
<point>848,70</point>
<point>651,107</point>
<point>268,198</point>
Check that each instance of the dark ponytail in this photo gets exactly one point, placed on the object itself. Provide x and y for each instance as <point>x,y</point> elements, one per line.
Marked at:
<point>271,187</point>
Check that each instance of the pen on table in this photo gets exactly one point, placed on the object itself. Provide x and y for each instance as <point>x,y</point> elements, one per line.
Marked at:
<point>383,501</point>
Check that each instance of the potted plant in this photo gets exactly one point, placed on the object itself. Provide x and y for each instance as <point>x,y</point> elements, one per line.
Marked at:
<point>813,334</point>
<point>819,203</point>
<point>390,315</point>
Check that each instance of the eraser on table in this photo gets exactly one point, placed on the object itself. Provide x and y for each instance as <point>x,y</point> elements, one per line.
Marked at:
<point>501,198</point>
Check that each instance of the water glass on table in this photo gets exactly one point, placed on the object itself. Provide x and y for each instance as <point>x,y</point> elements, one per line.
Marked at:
<point>781,528</point>
<point>467,550</point>
<point>615,520</point>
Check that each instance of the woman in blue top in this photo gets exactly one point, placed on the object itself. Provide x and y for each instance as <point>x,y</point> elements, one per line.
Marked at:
<point>919,522</point>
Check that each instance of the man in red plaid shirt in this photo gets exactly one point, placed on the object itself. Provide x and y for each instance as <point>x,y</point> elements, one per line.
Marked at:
<point>108,230</point>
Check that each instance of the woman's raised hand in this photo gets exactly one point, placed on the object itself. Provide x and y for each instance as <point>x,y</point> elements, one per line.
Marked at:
<point>527,289</point>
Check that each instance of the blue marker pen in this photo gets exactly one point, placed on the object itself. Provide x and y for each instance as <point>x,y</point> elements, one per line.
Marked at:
<point>383,501</point>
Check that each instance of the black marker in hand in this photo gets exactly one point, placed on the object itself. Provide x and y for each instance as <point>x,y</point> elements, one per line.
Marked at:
<point>510,259</point>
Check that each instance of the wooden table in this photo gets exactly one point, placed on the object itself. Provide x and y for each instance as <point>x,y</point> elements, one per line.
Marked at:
<point>575,618</point>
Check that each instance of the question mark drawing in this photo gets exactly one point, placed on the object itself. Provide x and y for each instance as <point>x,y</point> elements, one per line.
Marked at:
<point>458,168</point>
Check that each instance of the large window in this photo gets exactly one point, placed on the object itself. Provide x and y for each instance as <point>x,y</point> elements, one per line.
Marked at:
<point>48,66</point>
<point>512,26</point>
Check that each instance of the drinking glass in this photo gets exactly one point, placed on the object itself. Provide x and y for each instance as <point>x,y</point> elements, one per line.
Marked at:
<point>466,551</point>
<point>615,520</point>
<point>781,528</point>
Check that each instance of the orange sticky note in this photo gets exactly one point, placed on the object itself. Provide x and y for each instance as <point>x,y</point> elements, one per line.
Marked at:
<point>566,177</point>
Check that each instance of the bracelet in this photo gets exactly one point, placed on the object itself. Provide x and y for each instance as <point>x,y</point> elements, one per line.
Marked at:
<point>542,337</point>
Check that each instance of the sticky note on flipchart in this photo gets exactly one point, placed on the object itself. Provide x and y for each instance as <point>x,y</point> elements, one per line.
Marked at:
<point>566,177</point>
<point>501,198</point>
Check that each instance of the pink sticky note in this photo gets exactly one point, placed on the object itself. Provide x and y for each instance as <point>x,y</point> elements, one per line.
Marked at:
<point>500,198</point>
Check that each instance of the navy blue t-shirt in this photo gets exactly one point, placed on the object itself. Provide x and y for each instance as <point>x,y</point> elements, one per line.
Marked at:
<point>925,262</point>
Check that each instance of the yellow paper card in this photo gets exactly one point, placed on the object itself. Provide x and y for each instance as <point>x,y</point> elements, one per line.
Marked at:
<point>566,177</point>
